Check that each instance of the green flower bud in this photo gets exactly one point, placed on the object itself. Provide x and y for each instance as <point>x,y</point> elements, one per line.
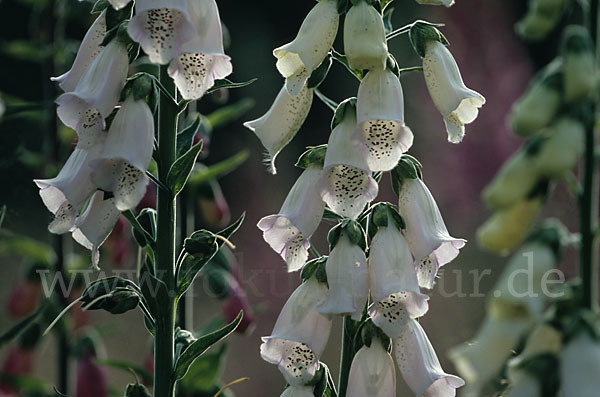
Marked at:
<point>580,77</point>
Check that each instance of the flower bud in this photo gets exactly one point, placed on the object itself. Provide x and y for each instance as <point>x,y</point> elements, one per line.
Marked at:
<point>506,228</point>
<point>580,77</point>
<point>298,59</point>
<point>537,107</point>
<point>541,18</point>
<point>560,152</point>
<point>365,45</point>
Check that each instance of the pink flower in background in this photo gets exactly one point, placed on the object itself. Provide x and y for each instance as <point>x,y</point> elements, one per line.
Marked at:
<point>91,378</point>
<point>18,361</point>
<point>24,298</point>
<point>236,301</point>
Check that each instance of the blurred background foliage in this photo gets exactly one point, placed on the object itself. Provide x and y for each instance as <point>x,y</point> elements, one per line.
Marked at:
<point>34,46</point>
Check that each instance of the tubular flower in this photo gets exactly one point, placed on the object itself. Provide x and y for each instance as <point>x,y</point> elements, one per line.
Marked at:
<point>365,45</point>
<point>537,107</point>
<point>279,125</point>
<point>458,104</point>
<point>579,366</point>
<point>121,168</point>
<point>506,228</point>
<point>420,366</point>
<point>561,150</point>
<point>348,279</point>
<point>300,334</point>
<point>94,225</point>
<point>425,232</point>
<point>88,50</point>
<point>67,192</point>
<point>98,90</point>
<point>297,60</point>
<point>288,232</point>
<point>161,27</point>
<point>372,372</point>
<point>392,278</point>
<point>202,60</point>
<point>580,77</point>
<point>346,184</point>
<point>446,3</point>
<point>382,135</point>
<point>91,378</point>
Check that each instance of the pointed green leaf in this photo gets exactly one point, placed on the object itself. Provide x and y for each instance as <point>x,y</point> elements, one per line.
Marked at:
<point>185,138</point>
<point>204,372</point>
<point>229,113</point>
<point>100,6</point>
<point>229,230</point>
<point>136,390</point>
<point>182,168</point>
<point>224,83</point>
<point>202,344</point>
<point>16,329</point>
<point>219,169</point>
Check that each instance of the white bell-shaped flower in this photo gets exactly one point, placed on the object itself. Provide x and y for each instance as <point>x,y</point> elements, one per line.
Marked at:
<point>288,231</point>
<point>98,90</point>
<point>425,232</point>
<point>161,27</point>
<point>279,125</point>
<point>579,367</point>
<point>483,357</point>
<point>346,183</point>
<point>67,192</point>
<point>365,45</point>
<point>300,334</point>
<point>392,277</point>
<point>382,135</point>
<point>561,151</point>
<point>372,372</point>
<point>119,4</point>
<point>420,366</point>
<point>446,3</point>
<point>298,391</point>
<point>202,60</point>
<point>297,60</point>
<point>348,279</point>
<point>458,104</point>
<point>121,168</point>
<point>94,225</point>
<point>88,50</point>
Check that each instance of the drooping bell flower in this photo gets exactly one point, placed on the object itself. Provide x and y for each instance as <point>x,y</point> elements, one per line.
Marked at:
<point>560,152</point>
<point>236,301</point>
<point>300,334</point>
<point>381,135</point>
<point>446,3</point>
<point>392,280</point>
<point>201,60</point>
<point>506,228</point>
<point>580,77</point>
<point>346,184</point>
<point>67,192</point>
<point>24,298</point>
<point>420,366</point>
<point>98,89</point>
<point>91,378</point>
<point>279,125</point>
<point>121,168</point>
<point>372,372</point>
<point>297,60</point>
<point>514,182</point>
<point>484,356</point>
<point>348,279</point>
<point>88,50</point>
<point>579,366</point>
<point>458,104</point>
<point>425,231</point>
<point>161,27</point>
<point>538,106</point>
<point>365,45</point>
<point>289,231</point>
<point>94,225</point>
<point>18,362</point>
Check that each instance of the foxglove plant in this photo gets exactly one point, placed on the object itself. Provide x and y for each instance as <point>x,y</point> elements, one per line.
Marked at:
<point>379,257</point>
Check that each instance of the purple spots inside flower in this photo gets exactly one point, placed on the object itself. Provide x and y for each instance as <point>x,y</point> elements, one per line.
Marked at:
<point>347,185</point>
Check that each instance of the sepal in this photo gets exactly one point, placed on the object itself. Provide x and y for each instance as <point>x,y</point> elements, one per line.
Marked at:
<point>423,31</point>
<point>315,155</point>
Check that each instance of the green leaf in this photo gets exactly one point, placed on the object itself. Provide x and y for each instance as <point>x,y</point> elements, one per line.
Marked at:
<point>229,230</point>
<point>229,113</point>
<point>219,169</point>
<point>344,61</point>
<point>319,74</point>
<point>136,390</point>
<point>182,168</point>
<point>202,344</point>
<point>224,83</point>
<point>185,138</point>
<point>190,266</point>
<point>204,373</point>
<point>100,6</point>
<point>16,329</point>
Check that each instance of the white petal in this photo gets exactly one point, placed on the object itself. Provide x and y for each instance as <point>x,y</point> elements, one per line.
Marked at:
<point>279,125</point>
<point>420,366</point>
<point>98,89</point>
<point>298,391</point>
<point>579,367</point>
<point>95,224</point>
<point>88,50</point>
<point>372,373</point>
<point>425,231</point>
<point>118,4</point>
<point>195,73</point>
<point>288,232</point>
<point>390,314</point>
<point>365,44</point>
<point>348,279</point>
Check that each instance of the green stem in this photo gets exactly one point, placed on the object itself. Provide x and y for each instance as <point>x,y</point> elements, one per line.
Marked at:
<point>346,356</point>
<point>164,344</point>
<point>587,267</point>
